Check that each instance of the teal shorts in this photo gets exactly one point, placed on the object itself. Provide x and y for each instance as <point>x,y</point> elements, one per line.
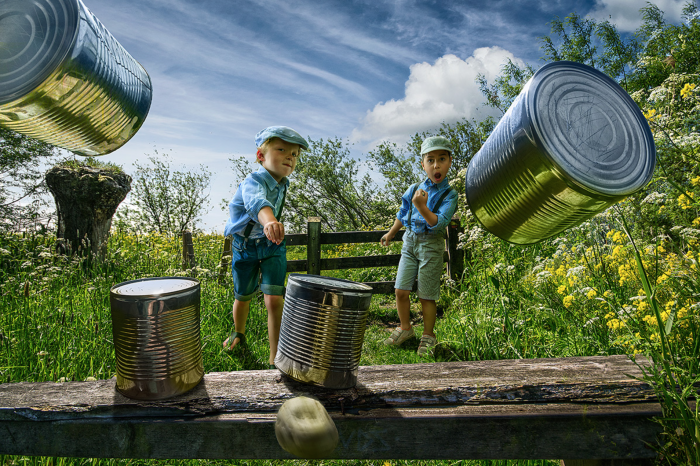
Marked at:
<point>254,258</point>
<point>421,258</point>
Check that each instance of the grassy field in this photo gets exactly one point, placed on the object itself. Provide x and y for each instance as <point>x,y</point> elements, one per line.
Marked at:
<point>595,291</point>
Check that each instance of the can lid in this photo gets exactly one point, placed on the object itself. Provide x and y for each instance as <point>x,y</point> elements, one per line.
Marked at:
<point>153,287</point>
<point>36,35</point>
<point>328,283</point>
<point>591,128</point>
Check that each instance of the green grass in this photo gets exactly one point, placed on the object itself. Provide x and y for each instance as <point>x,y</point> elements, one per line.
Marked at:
<point>574,296</point>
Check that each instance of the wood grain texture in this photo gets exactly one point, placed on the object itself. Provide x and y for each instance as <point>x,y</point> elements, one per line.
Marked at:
<point>538,408</point>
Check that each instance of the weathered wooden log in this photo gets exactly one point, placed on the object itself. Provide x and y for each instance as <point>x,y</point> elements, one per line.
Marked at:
<point>540,408</point>
<point>86,199</point>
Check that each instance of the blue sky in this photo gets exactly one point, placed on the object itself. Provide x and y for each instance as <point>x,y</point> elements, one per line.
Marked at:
<point>361,70</point>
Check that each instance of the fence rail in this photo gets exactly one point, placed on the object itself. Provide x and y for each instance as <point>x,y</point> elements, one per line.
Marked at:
<point>313,239</point>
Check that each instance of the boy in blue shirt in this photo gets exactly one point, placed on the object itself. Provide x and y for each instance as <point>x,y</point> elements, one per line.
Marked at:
<point>426,210</point>
<point>258,246</point>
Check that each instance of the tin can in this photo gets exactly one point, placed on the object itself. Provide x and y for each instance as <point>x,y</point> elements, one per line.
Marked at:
<point>322,331</point>
<point>157,343</point>
<point>572,144</point>
<point>65,80</point>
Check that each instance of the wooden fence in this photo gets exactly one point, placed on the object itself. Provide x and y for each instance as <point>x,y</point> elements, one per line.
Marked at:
<point>314,238</point>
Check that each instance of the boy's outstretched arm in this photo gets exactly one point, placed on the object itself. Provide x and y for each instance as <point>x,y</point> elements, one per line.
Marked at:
<point>274,230</point>
<point>391,233</point>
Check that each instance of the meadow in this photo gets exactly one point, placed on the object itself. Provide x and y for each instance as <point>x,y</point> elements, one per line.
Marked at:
<point>596,290</point>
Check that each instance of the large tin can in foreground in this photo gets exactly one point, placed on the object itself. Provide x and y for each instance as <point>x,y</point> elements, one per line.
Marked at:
<point>157,343</point>
<point>323,328</point>
<point>572,144</point>
<point>65,80</point>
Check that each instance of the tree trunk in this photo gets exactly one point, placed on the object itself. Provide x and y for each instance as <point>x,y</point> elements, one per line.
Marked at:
<point>86,199</point>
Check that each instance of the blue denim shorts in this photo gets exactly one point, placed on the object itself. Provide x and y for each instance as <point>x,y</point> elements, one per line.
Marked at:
<point>255,257</point>
<point>421,258</point>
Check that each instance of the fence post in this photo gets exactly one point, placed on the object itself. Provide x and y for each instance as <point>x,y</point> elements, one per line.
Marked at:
<point>455,257</point>
<point>313,246</point>
<point>187,250</point>
<point>223,267</point>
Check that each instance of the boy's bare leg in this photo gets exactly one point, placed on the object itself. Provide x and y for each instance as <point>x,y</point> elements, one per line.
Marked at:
<point>429,316</point>
<point>403,307</point>
<point>274,305</point>
<point>240,316</point>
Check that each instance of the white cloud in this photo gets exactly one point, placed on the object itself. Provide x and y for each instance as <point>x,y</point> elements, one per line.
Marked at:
<point>626,16</point>
<point>445,91</point>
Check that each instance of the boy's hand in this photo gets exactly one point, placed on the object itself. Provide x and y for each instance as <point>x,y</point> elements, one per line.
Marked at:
<point>420,198</point>
<point>386,238</point>
<point>274,231</point>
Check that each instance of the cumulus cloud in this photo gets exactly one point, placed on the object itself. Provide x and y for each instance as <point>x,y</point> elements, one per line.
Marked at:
<point>444,91</point>
<point>625,13</point>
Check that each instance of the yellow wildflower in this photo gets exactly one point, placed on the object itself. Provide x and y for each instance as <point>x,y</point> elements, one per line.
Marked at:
<point>687,89</point>
<point>685,202</point>
<point>608,294</point>
<point>695,181</point>
<point>562,289</point>
<point>568,301</point>
<point>591,294</point>
<point>615,324</point>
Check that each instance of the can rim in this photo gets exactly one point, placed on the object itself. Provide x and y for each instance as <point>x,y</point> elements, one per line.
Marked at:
<point>195,284</point>
<point>635,112</point>
<point>52,63</point>
<point>357,287</point>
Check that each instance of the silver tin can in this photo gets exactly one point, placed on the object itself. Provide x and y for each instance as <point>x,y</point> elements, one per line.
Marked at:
<point>65,80</point>
<point>322,331</point>
<point>572,144</point>
<point>157,343</point>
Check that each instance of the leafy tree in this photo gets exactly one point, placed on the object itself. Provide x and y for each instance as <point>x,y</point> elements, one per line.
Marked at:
<point>326,183</point>
<point>506,86</point>
<point>21,179</point>
<point>166,201</point>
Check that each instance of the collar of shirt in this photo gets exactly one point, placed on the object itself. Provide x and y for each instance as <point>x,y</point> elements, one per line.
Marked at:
<point>441,186</point>
<point>270,181</point>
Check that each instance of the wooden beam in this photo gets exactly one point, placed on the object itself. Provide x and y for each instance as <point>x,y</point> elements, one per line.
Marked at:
<point>540,408</point>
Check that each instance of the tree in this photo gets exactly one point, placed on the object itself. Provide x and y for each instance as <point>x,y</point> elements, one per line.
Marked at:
<point>21,179</point>
<point>167,201</point>
<point>87,194</point>
<point>506,86</point>
<point>326,184</point>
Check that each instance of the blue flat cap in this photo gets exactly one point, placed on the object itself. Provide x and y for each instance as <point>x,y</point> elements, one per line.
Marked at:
<point>283,132</point>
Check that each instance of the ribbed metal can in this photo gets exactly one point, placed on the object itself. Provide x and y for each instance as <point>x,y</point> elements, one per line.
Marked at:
<point>572,144</point>
<point>322,331</point>
<point>65,80</point>
<point>157,342</point>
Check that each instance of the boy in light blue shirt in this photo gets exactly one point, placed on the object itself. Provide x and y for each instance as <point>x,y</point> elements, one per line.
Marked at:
<point>258,246</point>
<point>426,210</point>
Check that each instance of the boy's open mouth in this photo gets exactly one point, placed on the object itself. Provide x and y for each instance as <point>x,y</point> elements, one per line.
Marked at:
<point>438,176</point>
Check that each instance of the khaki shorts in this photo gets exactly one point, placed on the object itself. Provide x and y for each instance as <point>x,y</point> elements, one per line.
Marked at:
<point>421,258</point>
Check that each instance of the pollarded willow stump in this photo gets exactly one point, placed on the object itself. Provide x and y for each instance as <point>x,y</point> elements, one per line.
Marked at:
<point>86,200</point>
